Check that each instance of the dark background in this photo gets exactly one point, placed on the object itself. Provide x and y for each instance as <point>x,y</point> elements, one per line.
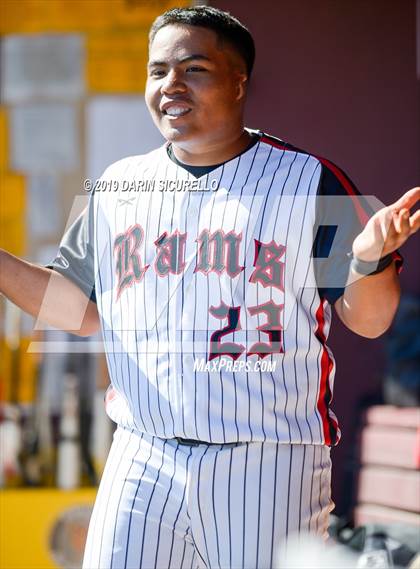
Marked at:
<point>338,78</point>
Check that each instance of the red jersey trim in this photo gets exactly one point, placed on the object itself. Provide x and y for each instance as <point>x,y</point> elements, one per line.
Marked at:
<point>329,422</point>
<point>398,260</point>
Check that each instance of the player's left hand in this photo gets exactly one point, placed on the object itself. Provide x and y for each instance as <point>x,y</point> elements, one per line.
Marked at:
<point>389,228</point>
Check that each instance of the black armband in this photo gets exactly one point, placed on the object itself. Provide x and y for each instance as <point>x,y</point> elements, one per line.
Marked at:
<point>371,267</point>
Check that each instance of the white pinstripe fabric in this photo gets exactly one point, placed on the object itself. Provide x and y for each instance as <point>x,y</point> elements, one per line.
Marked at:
<point>159,326</point>
<point>165,505</point>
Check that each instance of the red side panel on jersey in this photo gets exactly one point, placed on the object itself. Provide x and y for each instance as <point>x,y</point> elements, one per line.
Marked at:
<point>329,422</point>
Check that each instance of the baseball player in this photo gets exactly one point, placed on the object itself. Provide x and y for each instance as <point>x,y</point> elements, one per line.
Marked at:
<point>212,265</point>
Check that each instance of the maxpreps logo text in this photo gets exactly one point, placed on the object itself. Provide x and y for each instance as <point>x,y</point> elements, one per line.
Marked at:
<point>234,366</point>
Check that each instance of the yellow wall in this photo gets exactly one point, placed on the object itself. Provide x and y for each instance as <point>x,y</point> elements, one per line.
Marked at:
<point>29,16</point>
<point>116,34</point>
<point>116,61</point>
<point>27,518</point>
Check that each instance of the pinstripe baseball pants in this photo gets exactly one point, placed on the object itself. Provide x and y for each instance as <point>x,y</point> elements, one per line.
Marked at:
<point>162,504</point>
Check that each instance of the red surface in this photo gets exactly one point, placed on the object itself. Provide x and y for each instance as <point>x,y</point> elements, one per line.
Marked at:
<point>394,488</point>
<point>367,514</point>
<point>390,416</point>
<point>390,446</point>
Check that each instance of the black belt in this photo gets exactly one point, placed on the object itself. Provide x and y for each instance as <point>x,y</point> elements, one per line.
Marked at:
<point>193,442</point>
<point>196,442</point>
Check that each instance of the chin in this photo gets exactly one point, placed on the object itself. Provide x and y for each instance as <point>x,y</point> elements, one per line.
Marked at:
<point>175,134</point>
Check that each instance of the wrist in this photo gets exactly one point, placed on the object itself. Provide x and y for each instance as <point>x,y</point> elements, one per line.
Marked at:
<point>368,268</point>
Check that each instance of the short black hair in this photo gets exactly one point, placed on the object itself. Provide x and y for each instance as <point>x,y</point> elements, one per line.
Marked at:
<point>226,26</point>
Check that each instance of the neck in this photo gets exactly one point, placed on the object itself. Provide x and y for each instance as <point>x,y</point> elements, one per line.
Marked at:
<point>214,153</point>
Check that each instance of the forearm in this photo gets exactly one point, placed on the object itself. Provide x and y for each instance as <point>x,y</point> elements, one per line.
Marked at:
<point>369,303</point>
<point>47,295</point>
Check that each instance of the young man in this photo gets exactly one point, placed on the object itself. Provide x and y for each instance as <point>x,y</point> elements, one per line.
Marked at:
<point>200,282</point>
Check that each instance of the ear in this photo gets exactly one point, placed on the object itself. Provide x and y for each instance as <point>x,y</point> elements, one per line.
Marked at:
<point>241,86</point>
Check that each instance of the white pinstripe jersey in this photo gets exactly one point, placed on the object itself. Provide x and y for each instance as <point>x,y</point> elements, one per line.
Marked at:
<point>213,325</point>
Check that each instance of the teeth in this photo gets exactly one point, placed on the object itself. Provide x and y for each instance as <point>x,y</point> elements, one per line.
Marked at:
<point>176,111</point>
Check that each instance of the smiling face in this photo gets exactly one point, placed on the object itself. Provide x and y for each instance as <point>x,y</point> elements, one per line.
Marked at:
<point>195,89</point>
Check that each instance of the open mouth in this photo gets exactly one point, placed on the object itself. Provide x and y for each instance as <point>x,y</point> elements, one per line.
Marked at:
<point>176,112</point>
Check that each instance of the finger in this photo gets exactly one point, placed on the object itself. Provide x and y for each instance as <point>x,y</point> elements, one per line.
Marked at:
<point>401,219</point>
<point>415,222</point>
<point>407,200</point>
<point>396,221</point>
<point>405,222</point>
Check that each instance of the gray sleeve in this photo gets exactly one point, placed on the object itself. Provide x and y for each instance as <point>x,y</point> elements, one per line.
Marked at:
<point>75,258</point>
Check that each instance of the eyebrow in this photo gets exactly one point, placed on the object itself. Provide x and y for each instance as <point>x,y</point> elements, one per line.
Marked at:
<point>194,56</point>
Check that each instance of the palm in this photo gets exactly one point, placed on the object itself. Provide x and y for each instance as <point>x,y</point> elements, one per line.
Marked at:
<point>389,228</point>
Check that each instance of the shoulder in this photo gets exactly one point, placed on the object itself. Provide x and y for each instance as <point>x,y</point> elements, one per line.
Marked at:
<point>333,179</point>
<point>283,147</point>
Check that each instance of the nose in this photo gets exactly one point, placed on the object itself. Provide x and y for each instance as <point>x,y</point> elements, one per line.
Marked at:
<point>172,83</point>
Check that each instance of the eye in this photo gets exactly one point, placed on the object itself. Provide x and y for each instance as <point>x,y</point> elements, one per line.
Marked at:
<point>156,73</point>
<point>196,68</point>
